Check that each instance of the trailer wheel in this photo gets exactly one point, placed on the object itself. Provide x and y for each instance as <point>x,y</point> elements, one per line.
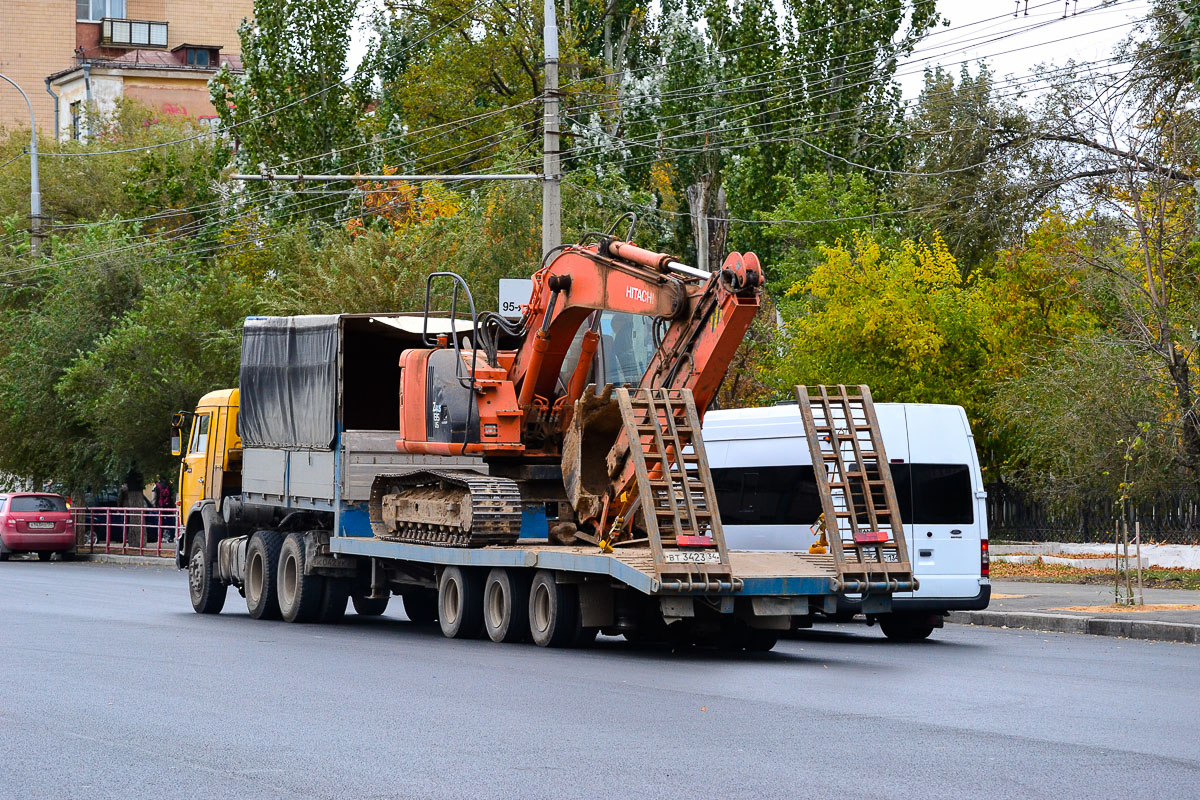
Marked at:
<point>506,605</point>
<point>369,606</point>
<point>333,600</point>
<point>207,593</point>
<point>553,611</point>
<point>299,594</point>
<point>460,603</point>
<point>420,606</point>
<point>262,573</point>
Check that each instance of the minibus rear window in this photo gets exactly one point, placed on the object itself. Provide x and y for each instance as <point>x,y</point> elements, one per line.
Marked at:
<point>934,494</point>
<point>767,495</point>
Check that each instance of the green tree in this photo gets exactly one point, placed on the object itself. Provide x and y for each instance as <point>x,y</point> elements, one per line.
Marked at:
<point>292,109</point>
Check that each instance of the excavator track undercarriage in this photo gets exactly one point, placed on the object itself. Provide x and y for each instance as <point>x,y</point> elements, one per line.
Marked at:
<point>447,508</point>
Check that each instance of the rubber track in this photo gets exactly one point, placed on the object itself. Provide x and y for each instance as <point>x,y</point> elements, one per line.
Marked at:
<point>495,509</point>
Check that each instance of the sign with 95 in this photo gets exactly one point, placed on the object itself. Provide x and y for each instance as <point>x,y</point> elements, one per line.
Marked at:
<point>514,293</point>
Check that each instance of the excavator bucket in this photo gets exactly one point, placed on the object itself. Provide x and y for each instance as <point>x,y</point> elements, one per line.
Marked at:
<point>858,498</point>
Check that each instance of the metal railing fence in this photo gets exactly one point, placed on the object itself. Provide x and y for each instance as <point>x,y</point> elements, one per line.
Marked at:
<point>126,531</point>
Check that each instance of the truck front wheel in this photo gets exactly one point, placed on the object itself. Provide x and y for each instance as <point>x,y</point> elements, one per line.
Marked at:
<point>207,593</point>
<point>460,603</point>
<point>262,574</point>
<point>300,595</point>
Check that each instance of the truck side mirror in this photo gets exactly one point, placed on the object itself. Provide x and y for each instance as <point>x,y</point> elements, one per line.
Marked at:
<point>176,443</point>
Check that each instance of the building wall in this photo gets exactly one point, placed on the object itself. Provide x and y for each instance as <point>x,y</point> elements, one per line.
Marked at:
<point>169,96</point>
<point>196,21</point>
<point>38,38</point>
<point>172,98</point>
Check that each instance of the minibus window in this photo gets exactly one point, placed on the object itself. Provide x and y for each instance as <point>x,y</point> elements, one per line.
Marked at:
<point>941,494</point>
<point>902,480</point>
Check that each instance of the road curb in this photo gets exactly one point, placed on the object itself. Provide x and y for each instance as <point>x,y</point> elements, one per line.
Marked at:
<point>1067,623</point>
<point>128,561</point>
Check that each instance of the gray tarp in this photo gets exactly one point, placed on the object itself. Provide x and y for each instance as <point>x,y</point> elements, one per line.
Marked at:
<point>289,382</point>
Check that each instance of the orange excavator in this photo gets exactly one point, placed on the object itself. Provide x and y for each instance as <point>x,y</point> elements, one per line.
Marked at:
<point>611,443</point>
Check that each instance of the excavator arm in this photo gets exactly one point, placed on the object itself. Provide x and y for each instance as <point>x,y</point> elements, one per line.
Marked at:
<point>703,316</point>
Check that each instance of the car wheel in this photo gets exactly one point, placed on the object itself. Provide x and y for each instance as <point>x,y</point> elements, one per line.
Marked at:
<point>4,556</point>
<point>903,628</point>
<point>207,593</point>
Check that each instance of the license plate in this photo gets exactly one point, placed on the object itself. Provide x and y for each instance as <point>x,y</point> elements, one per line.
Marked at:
<point>692,557</point>
<point>41,526</point>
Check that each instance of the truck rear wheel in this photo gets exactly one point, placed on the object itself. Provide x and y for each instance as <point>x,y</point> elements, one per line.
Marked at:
<point>369,606</point>
<point>262,573</point>
<point>420,606</point>
<point>460,603</point>
<point>506,605</point>
<point>553,611</point>
<point>207,593</point>
<point>299,594</point>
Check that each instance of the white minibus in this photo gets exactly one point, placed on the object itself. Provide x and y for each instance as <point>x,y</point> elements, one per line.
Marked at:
<point>767,496</point>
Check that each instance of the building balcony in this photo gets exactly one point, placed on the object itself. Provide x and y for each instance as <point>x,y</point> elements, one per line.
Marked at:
<point>132,33</point>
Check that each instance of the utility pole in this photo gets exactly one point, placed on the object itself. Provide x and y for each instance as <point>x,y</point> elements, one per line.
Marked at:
<point>35,188</point>
<point>551,177</point>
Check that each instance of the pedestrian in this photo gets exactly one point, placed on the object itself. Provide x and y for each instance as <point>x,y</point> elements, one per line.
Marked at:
<point>161,501</point>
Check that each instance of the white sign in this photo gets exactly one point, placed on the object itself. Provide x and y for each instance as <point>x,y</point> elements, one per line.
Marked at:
<point>514,293</point>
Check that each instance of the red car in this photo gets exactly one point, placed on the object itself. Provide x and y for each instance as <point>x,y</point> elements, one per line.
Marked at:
<point>33,522</point>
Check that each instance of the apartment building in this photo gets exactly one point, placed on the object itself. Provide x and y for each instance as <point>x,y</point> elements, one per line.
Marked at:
<point>159,52</point>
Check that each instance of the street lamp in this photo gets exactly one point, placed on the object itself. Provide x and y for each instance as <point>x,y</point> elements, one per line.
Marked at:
<point>35,189</point>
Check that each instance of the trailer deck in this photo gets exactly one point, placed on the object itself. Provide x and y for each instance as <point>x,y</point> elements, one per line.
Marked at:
<point>761,573</point>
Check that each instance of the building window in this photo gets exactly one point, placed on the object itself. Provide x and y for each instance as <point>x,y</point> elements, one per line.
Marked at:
<point>197,57</point>
<point>76,119</point>
<point>133,33</point>
<point>96,10</point>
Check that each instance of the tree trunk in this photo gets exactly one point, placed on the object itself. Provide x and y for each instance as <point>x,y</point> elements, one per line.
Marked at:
<point>718,229</point>
<point>697,197</point>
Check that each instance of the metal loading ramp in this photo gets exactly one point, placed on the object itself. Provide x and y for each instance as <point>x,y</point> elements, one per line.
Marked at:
<point>858,498</point>
<point>674,490</point>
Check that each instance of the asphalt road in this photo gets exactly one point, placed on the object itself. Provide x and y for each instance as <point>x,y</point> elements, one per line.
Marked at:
<point>111,687</point>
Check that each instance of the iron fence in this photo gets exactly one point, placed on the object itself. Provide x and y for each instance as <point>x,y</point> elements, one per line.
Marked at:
<point>1171,517</point>
<point>126,531</point>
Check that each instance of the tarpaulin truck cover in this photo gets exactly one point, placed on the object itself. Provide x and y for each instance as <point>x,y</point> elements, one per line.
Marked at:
<point>289,382</point>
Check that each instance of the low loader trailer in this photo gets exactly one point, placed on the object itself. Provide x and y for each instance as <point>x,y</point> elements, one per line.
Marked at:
<point>538,479</point>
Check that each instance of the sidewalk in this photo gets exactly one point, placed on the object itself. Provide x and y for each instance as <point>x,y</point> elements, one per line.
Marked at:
<point>1077,608</point>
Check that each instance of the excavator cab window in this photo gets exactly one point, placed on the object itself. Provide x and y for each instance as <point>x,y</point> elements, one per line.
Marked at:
<point>626,346</point>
